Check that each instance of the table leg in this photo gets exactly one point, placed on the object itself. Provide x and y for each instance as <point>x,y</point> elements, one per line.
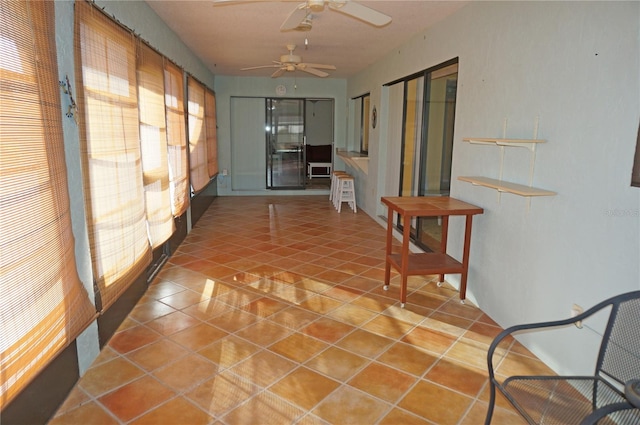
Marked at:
<point>404,267</point>
<point>443,242</point>
<point>465,258</point>
<point>387,264</point>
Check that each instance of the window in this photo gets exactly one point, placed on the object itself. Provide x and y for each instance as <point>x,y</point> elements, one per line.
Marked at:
<point>110,151</point>
<point>43,304</point>
<point>197,136</point>
<point>176,138</point>
<point>363,111</point>
<point>211,132</point>
<point>153,144</point>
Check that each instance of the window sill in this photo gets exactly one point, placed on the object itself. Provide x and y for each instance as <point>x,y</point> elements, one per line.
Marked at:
<point>355,160</point>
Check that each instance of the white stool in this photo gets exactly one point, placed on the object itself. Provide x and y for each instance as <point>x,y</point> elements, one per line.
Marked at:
<point>336,187</point>
<point>346,192</point>
<point>334,183</point>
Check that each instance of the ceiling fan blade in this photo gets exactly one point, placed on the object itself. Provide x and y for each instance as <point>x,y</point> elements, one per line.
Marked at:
<point>278,72</point>
<point>313,71</point>
<point>259,67</point>
<point>295,18</point>
<point>318,66</point>
<point>361,12</point>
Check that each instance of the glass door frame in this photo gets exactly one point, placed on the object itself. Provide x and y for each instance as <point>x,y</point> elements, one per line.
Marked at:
<point>290,155</point>
<point>418,166</point>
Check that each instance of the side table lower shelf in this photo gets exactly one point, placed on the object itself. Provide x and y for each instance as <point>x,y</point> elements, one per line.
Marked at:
<point>427,263</point>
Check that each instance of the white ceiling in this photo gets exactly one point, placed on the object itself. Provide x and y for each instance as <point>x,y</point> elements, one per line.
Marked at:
<point>231,35</point>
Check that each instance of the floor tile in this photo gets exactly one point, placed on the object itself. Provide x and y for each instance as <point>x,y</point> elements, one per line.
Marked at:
<point>183,299</point>
<point>435,403</point>
<point>264,408</point>
<point>135,398</point>
<point>162,288</point>
<point>207,309</point>
<point>198,336</point>
<point>264,332</point>
<point>222,393</point>
<point>517,364</point>
<point>151,310</point>
<point>478,413</point>
<point>434,341</point>
<point>175,411</point>
<point>294,317</point>
<point>264,368</point>
<point>457,376</point>
<point>408,358</point>
<point>109,375</point>
<point>133,338</point>
<point>383,382</point>
<point>186,372</point>
<point>388,326</point>
<point>298,347</point>
<point>229,350</point>
<point>327,329</point>
<point>304,387</point>
<point>410,313</point>
<point>157,354</point>
<point>264,307</point>
<point>471,352</point>
<point>374,303</point>
<point>397,416</point>
<point>87,414</point>
<point>350,406</point>
<point>337,363</point>
<point>172,323</point>
<point>364,343</point>
<point>352,314</point>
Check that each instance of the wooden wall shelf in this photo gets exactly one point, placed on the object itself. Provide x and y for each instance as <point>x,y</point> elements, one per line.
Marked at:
<point>499,184</point>
<point>503,186</point>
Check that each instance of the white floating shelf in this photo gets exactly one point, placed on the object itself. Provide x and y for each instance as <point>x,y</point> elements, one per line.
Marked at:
<point>508,187</point>
<point>526,143</point>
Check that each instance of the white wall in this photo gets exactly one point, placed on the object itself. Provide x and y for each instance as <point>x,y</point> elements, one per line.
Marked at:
<point>227,87</point>
<point>573,67</point>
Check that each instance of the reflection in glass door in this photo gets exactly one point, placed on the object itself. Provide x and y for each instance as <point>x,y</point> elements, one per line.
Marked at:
<point>285,144</point>
<point>429,107</point>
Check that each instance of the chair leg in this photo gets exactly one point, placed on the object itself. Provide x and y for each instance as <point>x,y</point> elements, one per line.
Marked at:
<point>492,401</point>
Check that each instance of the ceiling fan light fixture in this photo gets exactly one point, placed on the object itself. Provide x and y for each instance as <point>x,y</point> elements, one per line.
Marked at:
<point>305,25</point>
<point>316,5</point>
<point>290,58</point>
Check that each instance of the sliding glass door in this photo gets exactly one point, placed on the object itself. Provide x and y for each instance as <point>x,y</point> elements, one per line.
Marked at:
<point>427,143</point>
<point>285,144</point>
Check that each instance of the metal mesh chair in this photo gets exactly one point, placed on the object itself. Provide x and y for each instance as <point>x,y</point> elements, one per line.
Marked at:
<point>610,396</point>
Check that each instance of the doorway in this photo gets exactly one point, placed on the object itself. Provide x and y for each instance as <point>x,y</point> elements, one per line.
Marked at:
<point>285,143</point>
<point>292,125</point>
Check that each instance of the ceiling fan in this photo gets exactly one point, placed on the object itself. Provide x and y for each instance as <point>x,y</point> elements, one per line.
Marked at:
<point>300,18</point>
<point>291,62</point>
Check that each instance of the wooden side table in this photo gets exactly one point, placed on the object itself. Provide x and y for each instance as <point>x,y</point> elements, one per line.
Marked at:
<point>410,264</point>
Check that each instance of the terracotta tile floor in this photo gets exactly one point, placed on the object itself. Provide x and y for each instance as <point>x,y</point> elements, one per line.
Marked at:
<point>272,312</point>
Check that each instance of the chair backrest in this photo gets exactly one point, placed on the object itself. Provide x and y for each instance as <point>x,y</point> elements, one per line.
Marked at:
<point>619,356</point>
